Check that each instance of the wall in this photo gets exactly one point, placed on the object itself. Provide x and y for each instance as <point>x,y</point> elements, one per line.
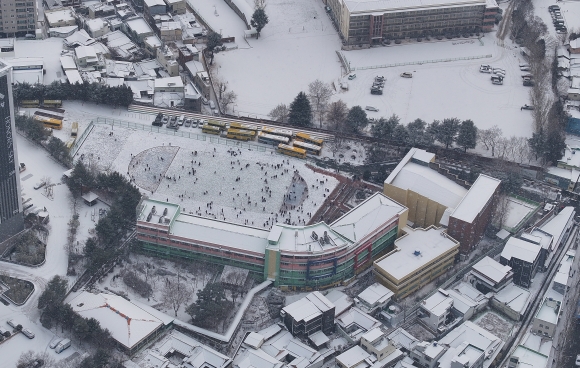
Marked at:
<point>423,212</point>
<point>505,309</point>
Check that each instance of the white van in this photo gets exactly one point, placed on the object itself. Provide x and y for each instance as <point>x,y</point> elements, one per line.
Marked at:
<point>63,345</point>
<point>13,323</point>
<point>28,333</point>
<point>180,120</point>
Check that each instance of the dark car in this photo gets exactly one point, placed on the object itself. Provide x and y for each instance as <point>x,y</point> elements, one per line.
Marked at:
<point>376,91</point>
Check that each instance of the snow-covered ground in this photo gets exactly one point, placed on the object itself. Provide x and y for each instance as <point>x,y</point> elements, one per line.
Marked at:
<point>221,18</point>
<point>518,210</point>
<point>238,185</point>
<point>436,91</point>
<point>297,46</point>
<point>39,165</point>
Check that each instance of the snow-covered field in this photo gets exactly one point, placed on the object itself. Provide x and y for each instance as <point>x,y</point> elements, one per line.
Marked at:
<point>220,181</point>
<point>518,210</point>
<point>296,47</point>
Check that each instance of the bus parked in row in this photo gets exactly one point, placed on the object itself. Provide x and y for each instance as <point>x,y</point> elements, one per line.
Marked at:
<point>52,103</point>
<point>281,132</point>
<point>309,148</point>
<point>274,140</point>
<point>240,134</point>
<point>219,124</point>
<point>306,138</point>
<point>47,122</point>
<point>291,151</point>
<point>75,129</point>
<point>210,129</point>
<point>30,103</point>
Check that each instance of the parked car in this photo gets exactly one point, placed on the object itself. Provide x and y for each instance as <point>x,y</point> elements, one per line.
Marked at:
<point>561,30</point>
<point>407,75</point>
<point>28,333</point>
<point>376,91</point>
<point>528,83</point>
<point>187,123</point>
<point>379,78</point>
<point>211,104</point>
<point>63,345</point>
<point>553,7</point>
<point>371,108</point>
<point>180,120</point>
<point>577,360</point>
<point>204,101</point>
<point>525,68</point>
<point>351,76</point>
<point>527,107</point>
<point>4,332</point>
<point>164,119</point>
<point>485,69</point>
<point>54,343</point>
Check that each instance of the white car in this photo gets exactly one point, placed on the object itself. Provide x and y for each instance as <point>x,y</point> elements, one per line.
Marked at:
<point>371,108</point>
<point>54,343</point>
<point>407,75</point>
<point>578,360</point>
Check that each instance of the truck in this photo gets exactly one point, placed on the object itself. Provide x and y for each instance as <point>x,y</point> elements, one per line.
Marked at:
<point>62,346</point>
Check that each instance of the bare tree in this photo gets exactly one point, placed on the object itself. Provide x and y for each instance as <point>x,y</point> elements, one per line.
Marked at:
<point>227,99</point>
<point>489,138</point>
<point>319,94</point>
<point>175,294</point>
<point>260,4</point>
<point>32,359</point>
<point>280,113</point>
<point>501,212</point>
<point>336,115</point>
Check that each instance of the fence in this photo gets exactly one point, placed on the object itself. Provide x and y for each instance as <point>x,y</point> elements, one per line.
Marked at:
<point>422,62</point>
<point>162,130</point>
<point>80,140</point>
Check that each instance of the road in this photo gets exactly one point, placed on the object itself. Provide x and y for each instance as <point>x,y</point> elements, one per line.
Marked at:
<point>504,25</point>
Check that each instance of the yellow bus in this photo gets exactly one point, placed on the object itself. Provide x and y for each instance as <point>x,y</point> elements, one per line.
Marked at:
<point>48,122</point>
<point>253,128</point>
<point>280,132</point>
<point>52,103</point>
<point>210,129</point>
<point>241,134</point>
<point>291,151</point>
<point>75,129</point>
<point>30,103</point>
<point>219,124</point>
<point>303,137</point>
<point>309,148</point>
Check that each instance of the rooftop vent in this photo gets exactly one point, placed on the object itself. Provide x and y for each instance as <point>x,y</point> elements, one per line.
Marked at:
<point>314,236</point>
<point>165,211</point>
<point>417,253</point>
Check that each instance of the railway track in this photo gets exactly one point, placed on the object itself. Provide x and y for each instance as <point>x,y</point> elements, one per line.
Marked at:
<point>141,109</point>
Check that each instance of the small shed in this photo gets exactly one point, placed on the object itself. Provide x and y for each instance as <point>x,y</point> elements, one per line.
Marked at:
<point>90,198</point>
<point>319,339</point>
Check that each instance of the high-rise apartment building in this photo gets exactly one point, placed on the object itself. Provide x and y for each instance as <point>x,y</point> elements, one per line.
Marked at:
<point>11,218</point>
<point>17,17</point>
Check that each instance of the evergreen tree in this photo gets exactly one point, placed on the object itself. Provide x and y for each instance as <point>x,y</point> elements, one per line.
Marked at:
<point>554,146</point>
<point>400,135</point>
<point>300,111</point>
<point>259,20</point>
<point>213,40</point>
<point>467,137</point>
<point>416,131</point>
<point>446,132</point>
<point>356,119</point>
<point>385,128</point>
<point>537,144</point>
<point>211,306</point>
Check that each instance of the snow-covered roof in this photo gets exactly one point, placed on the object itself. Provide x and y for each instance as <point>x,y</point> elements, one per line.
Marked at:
<point>90,197</point>
<point>128,324</point>
<point>254,340</point>
<point>311,306</point>
<point>438,304</point>
<point>476,198</point>
<point>544,239</point>
<point>375,294</point>
<point>139,26</point>
<point>373,334</point>
<point>559,224</point>
<point>400,338</point>
<point>152,41</point>
<point>60,15</point>
<point>492,270</point>
<point>221,233</point>
<point>245,8</point>
<point>86,52</point>
<point>67,62</point>
<point>151,3</point>
<point>367,217</point>
<point>429,183</point>
<point>476,336</point>
<point>514,297</point>
<point>415,249</point>
<point>340,300</point>
<point>575,43</point>
<point>300,238</point>
<point>549,311</point>
<point>466,297</point>
<point>521,249</point>
<point>383,6</point>
<point>352,356</point>
<point>318,338</point>
<point>255,358</point>
<point>173,82</point>
<point>530,358</point>
<point>355,316</point>
<point>96,24</point>
<point>73,76</point>
<point>23,62</point>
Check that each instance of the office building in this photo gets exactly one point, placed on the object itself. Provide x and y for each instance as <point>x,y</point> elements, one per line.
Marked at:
<point>11,218</point>
<point>17,18</point>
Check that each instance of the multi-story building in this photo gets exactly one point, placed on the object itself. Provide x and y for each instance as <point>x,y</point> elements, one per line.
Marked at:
<point>523,257</point>
<point>308,315</point>
<point>312,256</point>
<point>17,17</point>
<point>419,257</point>
<point>370,22</point>
<point>11,219</point>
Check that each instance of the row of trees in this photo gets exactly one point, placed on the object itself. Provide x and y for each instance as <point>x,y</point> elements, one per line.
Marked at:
<point>36,132</point>
<point>110,229</point>
<point>90,92</point>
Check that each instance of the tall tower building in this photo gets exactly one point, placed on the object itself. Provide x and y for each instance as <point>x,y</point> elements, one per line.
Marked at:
<point>11,217</point>
<point>17,17</point>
